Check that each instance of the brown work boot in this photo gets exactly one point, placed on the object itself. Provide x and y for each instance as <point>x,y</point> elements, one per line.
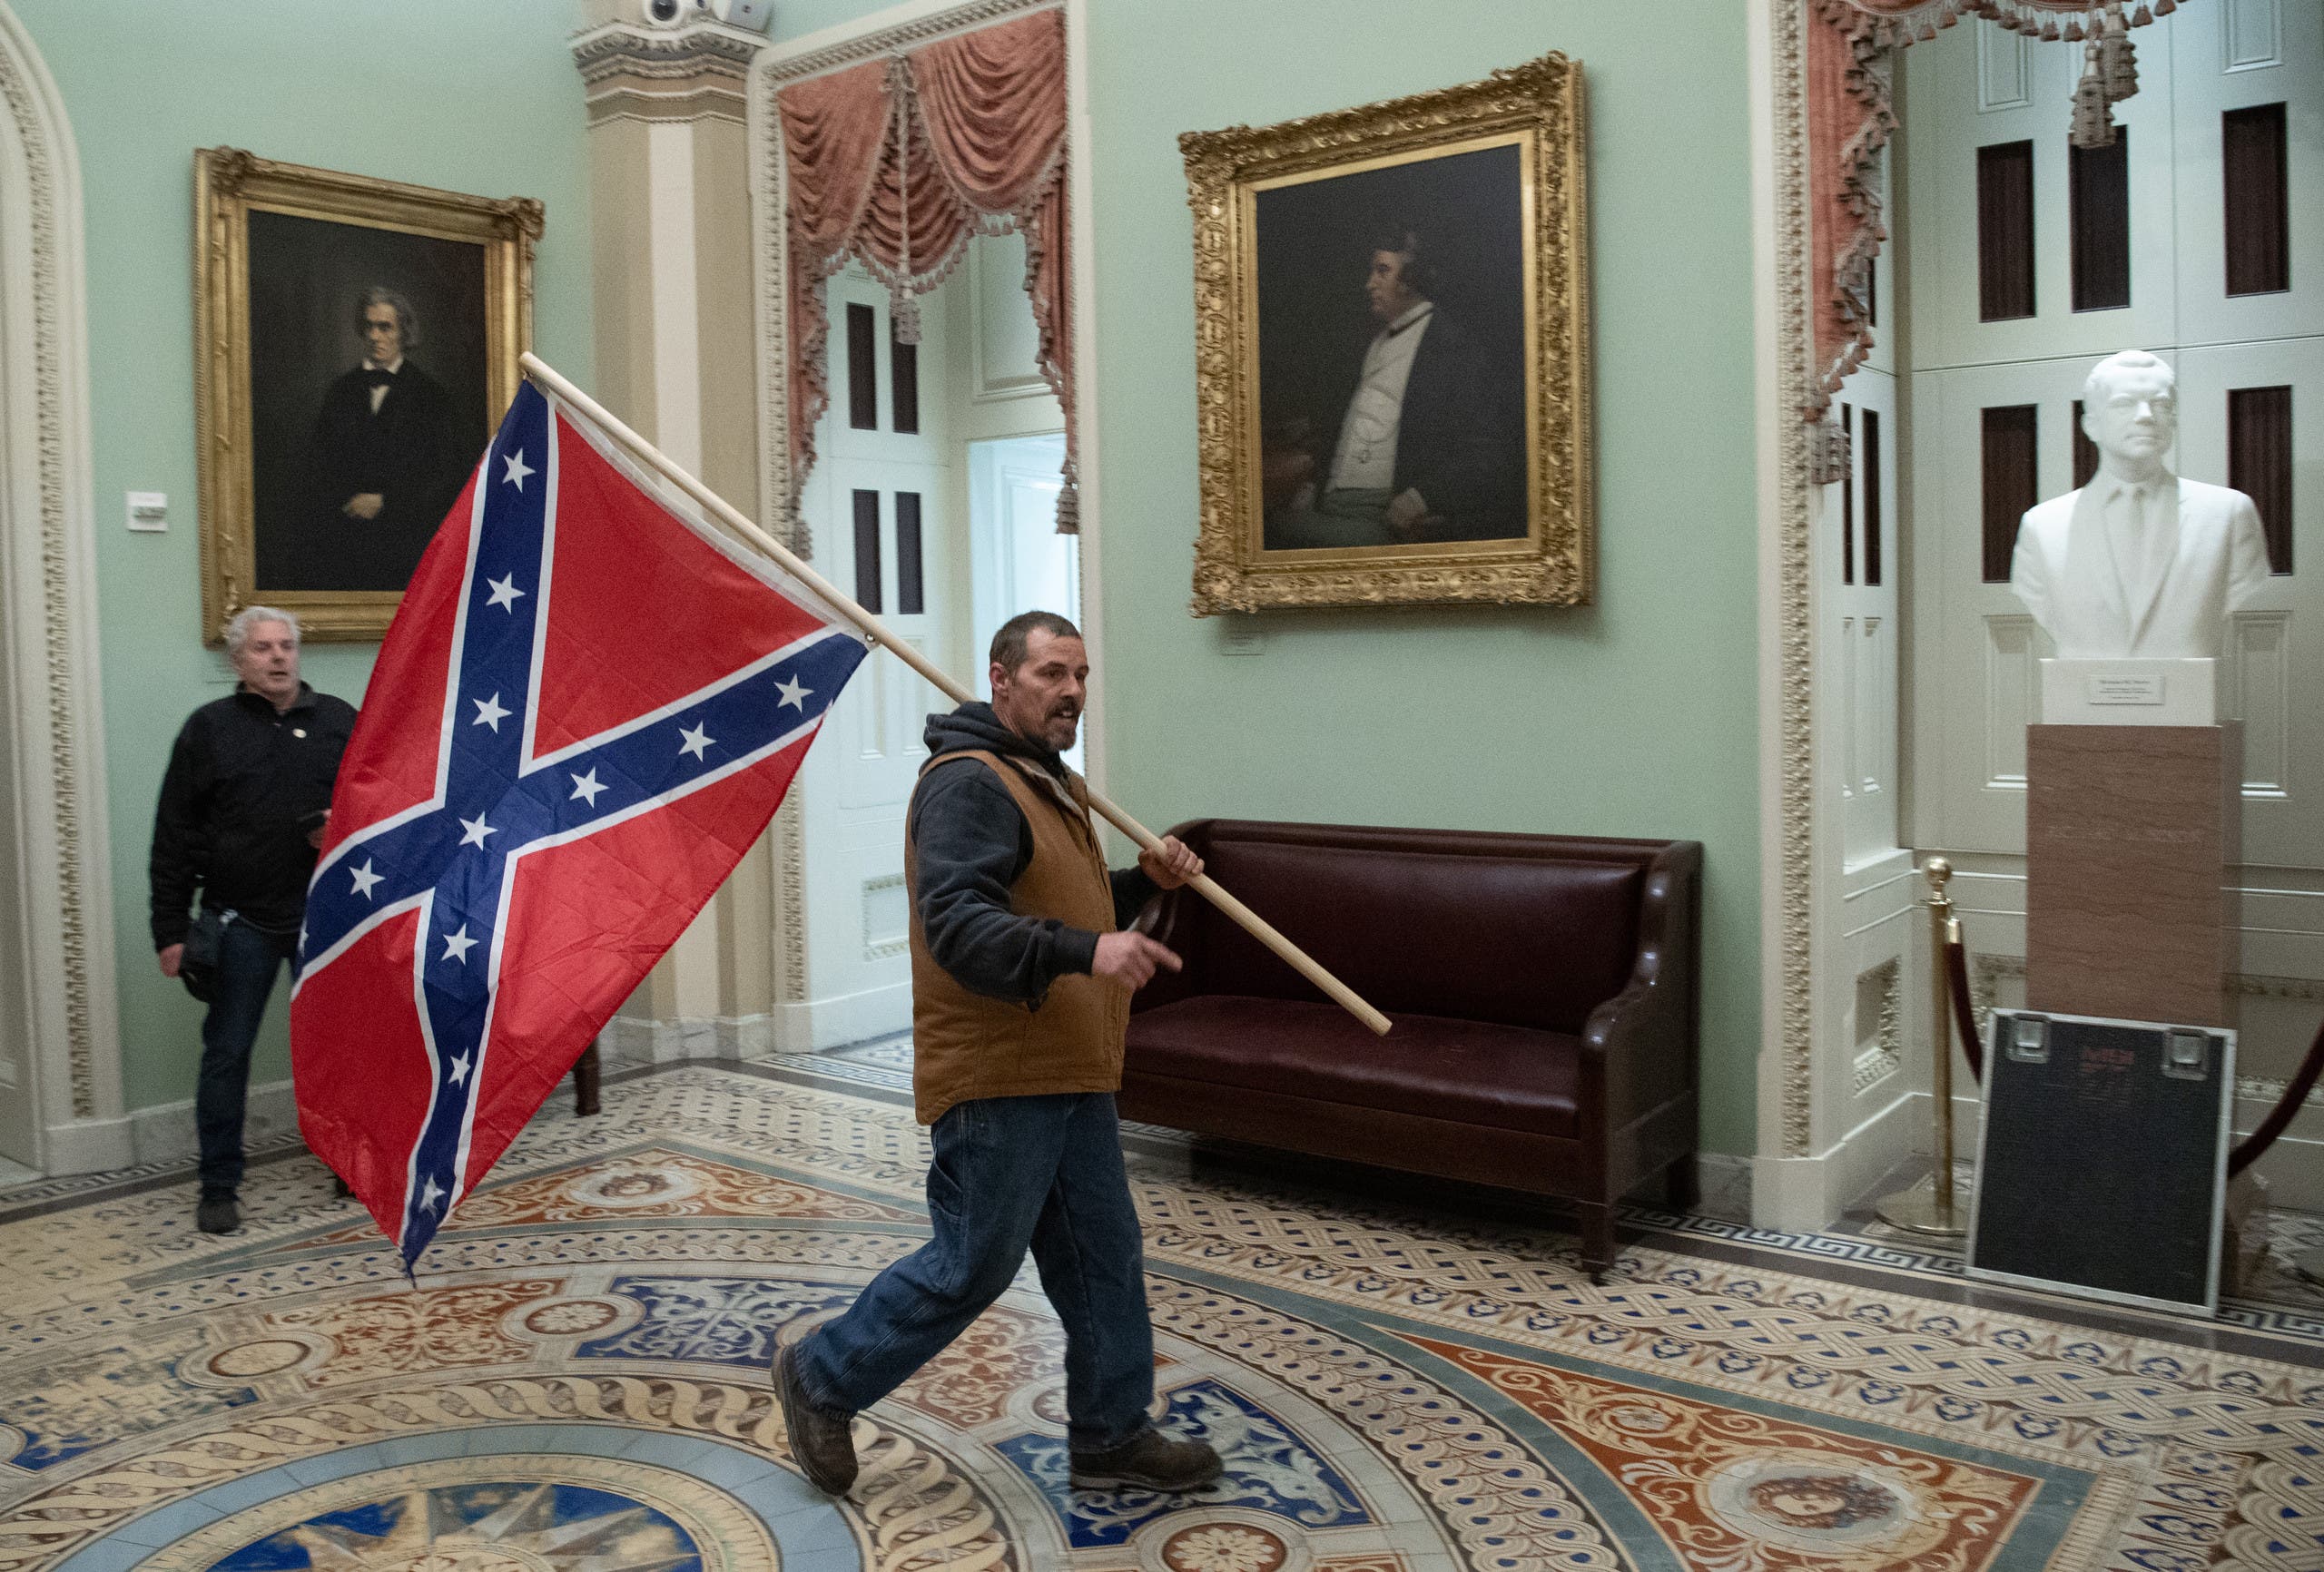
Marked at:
<point>1149,1460</point>
<point>821,1443</point>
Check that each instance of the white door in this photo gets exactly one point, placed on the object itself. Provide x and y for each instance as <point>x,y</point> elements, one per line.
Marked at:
<point>1018,560</point>
<point>882,503</point>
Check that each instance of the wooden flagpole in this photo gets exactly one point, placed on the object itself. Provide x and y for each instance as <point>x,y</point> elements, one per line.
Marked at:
<point>873,629</point>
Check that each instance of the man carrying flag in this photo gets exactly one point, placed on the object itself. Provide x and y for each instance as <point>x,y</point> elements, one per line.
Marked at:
<point>587,709</point>
<point>1020,985</point>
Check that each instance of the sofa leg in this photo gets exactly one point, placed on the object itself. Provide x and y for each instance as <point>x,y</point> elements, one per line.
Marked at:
<point>1682,1185</point>
<point>1596,1239</point>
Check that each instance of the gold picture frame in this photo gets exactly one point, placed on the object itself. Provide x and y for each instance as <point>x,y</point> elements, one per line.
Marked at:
<point>285,260</point>
<point>1498,166</point>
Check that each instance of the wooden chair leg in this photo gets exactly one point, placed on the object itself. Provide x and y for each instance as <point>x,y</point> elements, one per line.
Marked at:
<point>1682,1186</point>
<point>584,1081</point>
<point>1597,1238</point>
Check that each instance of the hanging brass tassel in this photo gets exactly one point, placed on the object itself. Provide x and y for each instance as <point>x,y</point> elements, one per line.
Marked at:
<point>2094,122</point>
<point>2118,67</point>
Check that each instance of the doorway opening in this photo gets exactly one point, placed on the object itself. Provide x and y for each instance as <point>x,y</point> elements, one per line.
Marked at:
<point>1018,561</point>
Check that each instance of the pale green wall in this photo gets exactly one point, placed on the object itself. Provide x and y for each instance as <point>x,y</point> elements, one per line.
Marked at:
<point>1636,716</point>
<point>471,95</point>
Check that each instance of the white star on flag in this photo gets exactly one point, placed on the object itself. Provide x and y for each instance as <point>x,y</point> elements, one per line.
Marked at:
<point>365,879</point>
<point>488,712</point>
<point>696,740</point>
<point>505,592</point>
<point>587,787</point>
<point>430,1193</point>
<point>474,830</point>
<point>516,471</point>
<point>457,945</point>
<point>794,693</point>
<point>460,1071</point>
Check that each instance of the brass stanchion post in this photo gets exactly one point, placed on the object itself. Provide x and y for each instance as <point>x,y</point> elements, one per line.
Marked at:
<point>1935,1209</point>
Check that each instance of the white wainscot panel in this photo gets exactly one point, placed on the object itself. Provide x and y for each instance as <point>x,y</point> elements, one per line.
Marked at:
<point>2010,683</point>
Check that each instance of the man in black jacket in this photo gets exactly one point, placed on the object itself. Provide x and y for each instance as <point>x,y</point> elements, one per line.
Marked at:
<point>241,817</point>
<point>1429,444</point>
<point>386,459</point>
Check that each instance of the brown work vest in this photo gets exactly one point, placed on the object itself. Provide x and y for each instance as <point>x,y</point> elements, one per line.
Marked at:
<point>966,1045</point>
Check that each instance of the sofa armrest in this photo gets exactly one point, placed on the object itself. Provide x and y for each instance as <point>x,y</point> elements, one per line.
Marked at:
<point>1172,919</point>
<point>1642,1047</point>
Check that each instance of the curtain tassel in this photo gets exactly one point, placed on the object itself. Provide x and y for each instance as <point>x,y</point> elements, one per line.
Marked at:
<point>2094,120</point>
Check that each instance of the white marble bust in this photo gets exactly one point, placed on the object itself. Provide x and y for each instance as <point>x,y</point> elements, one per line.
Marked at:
<point>2139,563</point>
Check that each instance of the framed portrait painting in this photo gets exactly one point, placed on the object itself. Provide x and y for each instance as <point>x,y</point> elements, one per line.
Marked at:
<point>356,339</point>
<point>1391,361</point>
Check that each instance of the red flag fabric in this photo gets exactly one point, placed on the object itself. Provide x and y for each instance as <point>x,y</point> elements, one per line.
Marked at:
<point>587,709</point>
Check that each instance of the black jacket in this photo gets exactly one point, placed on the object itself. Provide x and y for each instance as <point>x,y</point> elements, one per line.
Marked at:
<point>1461,438</point>
<point>236,806</point>
<point>973,845</point>
<point>410,453</point>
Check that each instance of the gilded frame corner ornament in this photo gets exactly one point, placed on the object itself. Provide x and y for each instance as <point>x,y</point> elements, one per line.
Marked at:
<point>1541,104</point>
<point>228,184</point>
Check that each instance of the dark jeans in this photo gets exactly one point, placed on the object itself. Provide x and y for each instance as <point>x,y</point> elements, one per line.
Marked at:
<point>1009,1173</point>
<point>248,959</point>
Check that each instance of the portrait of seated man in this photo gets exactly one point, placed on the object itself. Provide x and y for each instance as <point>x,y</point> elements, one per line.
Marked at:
<point>386,457</point>
<point>1420,440</point>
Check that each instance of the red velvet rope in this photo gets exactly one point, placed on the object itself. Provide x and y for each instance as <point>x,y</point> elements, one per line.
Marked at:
<point>2246,1151</point>
<point>2279,1117</point>
<point>1964,1010</point>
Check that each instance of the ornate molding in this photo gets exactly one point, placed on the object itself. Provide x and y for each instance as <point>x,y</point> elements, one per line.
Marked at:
<point>1886,1056</point>
<point>1795,869</point>
<point>904,35</point>
<point>692,73</point>
<point>68,675</point>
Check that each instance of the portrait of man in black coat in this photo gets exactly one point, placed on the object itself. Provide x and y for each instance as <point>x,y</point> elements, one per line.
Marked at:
<point>386,457</point>
<point>1391,312</point>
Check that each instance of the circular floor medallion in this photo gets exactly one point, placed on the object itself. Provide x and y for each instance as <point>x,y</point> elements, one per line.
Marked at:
<point>571,1318</point>
<point>624,1188</point>
<point>267,1356</point>
<point>1223,1547</point>
<point>516,1513</point>
<point>1822,1502</point>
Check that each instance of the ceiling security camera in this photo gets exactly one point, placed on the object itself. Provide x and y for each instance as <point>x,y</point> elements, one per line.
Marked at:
<point>755,15</point>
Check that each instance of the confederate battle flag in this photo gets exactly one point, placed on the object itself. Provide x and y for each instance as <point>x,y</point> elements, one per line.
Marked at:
<point>587,710</point>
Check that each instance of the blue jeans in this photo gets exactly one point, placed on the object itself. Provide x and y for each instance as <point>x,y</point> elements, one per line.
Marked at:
<point>248,959</point>
<point>1011,1172</point>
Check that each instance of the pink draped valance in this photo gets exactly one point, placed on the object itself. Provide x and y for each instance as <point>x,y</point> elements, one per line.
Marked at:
<point>1850,118</point>
<point>895,164</point>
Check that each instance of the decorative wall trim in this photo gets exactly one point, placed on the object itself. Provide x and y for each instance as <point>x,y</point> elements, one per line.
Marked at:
<point>61,763</point>
<point>696,73</point>
<point>876,947</point>
<point>1795,873</point>
<point>901,35</point>
<point>1886,1056</point>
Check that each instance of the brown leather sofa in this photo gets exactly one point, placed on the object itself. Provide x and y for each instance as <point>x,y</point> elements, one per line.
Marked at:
<point>1544,990</point>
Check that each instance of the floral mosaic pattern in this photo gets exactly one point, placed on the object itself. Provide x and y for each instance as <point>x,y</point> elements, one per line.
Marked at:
<point>1269,1467</point>
<point>1365,1367</point>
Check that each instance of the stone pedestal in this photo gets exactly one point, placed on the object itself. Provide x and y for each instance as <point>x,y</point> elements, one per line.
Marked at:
<point>2129,830</point>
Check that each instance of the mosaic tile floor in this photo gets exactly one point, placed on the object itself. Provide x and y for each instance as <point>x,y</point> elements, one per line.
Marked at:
<point>576,1383</point>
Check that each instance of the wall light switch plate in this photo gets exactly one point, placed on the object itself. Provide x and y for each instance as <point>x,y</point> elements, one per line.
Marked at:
<point>149,512</point>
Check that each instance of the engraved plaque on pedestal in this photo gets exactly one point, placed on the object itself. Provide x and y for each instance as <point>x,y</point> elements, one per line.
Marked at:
<point>2129,830</point>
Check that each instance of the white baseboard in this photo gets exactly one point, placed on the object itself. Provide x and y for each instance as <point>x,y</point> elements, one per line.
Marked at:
<point>88,1146</point>
<point>815,1025</point>
<point>808,1027</point>
<point>1802,1194</point>
<point>1725,1181</point>
<point>165,1133</point>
